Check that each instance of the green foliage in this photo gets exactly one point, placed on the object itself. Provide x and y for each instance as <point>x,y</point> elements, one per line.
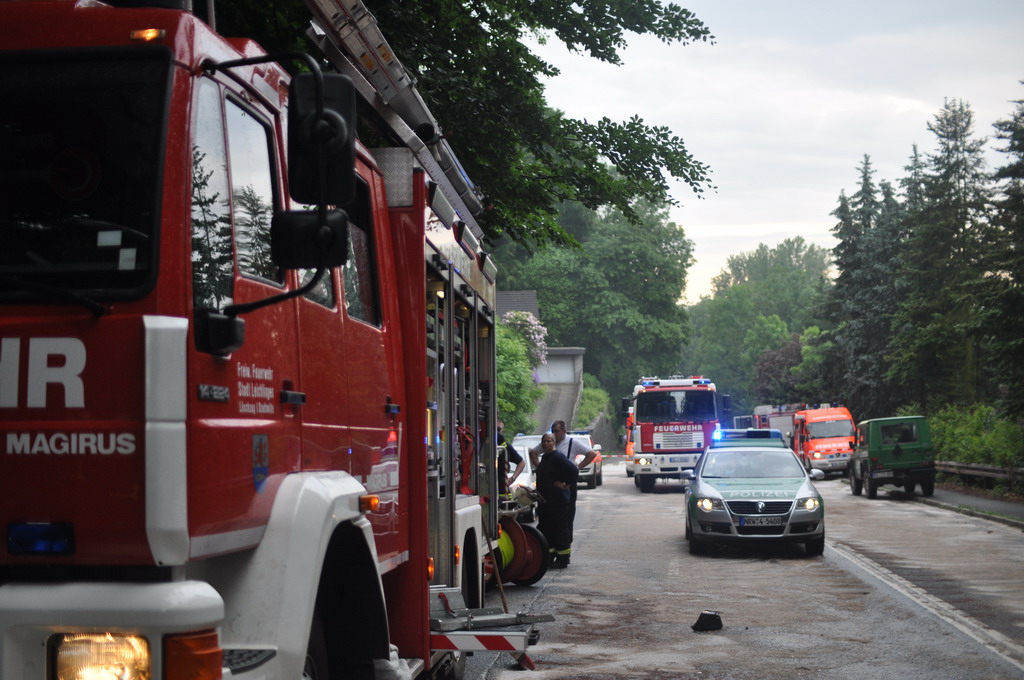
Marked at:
<point>593,402</point>
<point>617,295</point>
<point>934,354</point>
<point>517,392</point>
<point>760,299</point>
<point>976,434</point>
<point>483,85</point>
<point>999,294</point>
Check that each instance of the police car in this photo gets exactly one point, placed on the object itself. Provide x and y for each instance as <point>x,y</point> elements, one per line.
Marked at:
<point>750,488</point>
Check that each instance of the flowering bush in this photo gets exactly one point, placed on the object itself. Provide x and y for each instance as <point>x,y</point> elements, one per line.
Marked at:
<point>527,327</point>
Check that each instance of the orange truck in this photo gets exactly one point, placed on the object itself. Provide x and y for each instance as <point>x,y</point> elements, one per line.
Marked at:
<point>822,435</point>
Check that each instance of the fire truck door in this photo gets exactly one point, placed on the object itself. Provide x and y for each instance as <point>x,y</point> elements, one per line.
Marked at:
<point>242,437</point>
<point>375,403</point>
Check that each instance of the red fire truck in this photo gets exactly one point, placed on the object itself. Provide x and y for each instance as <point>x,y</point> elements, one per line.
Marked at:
<point>822,435</point>
<point>673,421</point>
<point>245,433</point>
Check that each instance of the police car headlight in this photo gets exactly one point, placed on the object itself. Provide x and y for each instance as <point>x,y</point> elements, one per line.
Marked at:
<point>101,656</point>
<point>709,504</point>
<point>812,503</point>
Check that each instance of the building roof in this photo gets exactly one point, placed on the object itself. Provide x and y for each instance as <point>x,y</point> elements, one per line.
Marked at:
<point>517,301</point>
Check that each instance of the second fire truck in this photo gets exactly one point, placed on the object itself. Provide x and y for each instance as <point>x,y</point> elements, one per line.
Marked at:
<point>673,419</point>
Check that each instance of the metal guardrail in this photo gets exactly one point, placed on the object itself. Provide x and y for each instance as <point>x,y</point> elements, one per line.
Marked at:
<point>979,470</point>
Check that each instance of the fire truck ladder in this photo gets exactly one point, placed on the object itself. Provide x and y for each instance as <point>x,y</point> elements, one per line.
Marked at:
<point>347,35</point>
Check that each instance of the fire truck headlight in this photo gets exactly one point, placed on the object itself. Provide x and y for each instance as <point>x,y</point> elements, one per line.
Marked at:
<point>643,461</point>
<point>100,656</point>
<point>709,504</point>
<point>809,504</point>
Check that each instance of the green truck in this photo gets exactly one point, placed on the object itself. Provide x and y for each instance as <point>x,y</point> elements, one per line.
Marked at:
<point>895,451</point>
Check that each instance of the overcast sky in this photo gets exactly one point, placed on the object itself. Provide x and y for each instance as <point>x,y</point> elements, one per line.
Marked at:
<point>791,96</point>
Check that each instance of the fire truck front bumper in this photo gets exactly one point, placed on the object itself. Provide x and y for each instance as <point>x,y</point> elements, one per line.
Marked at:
<point>831,462</point>
<point>77,626</point>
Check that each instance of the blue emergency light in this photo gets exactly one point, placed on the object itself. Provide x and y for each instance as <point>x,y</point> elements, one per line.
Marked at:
<point>41,538</point>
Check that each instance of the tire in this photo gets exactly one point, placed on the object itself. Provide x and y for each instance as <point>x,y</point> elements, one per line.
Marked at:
<point>928,488</point>
<point>856,484</point>
<point>815,547</point>
<point>636,481</point>
<point>316,666</point>
<point>696,546</point>
<point>646,483</point>
<point>540,548</point>
<point>871,488</point>
<point>600,476</point>
<point>909,487</point>
<point>628,473</point>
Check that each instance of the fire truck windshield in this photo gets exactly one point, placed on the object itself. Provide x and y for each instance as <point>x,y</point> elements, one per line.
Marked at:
<point>675,406</point>
<point>830,428</point>
<point>80,170</point>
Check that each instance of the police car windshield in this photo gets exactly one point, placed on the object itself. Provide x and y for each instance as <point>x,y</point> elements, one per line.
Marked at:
<point>747,464</point>
<point>675,406</point>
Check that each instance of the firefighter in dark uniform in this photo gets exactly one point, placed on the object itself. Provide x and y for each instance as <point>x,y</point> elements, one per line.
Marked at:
<point>556,475</point>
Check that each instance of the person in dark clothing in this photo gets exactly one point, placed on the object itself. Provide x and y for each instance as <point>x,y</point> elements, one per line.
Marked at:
<point>512,458</point>
<point>556,474</point>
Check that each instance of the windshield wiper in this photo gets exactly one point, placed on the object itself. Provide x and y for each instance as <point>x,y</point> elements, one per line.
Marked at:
<point>63,294</point>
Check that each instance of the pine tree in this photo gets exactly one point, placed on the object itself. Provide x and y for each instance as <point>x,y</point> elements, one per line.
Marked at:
<point>934,350</point>
<point>1001,292</point>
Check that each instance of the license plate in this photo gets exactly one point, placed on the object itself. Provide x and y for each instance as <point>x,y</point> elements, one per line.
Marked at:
<point>760,521</point>
<point>677,460</point>
<point>882,473</point>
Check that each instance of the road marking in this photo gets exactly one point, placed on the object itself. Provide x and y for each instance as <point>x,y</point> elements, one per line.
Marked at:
<point>992,640</point>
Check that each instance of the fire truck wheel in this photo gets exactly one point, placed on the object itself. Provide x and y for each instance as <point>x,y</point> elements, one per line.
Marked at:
<point>646,483</point>
<point>928,488</point>
<point>856,484</point>
<point>909,487</point>
<point>316,667</point>
<point>537,562</point>
<point>871,488</point>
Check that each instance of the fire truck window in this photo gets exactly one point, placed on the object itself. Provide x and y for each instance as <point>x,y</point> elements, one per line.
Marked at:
<point>212,270</point>
<point>360,273</point>
<point>323,292</point>
<point>81,148</point>
<point>252,192</point>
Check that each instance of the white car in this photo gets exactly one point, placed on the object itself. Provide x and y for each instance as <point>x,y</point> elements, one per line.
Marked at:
<point>592,475</point>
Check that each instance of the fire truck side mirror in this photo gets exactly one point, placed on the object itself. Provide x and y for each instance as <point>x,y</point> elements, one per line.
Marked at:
<point>217,333</point>
<point>299,241</point>
<point>321,149</point>
<point>624,409</point>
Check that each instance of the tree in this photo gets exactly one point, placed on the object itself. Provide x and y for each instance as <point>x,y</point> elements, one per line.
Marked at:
<point>618,295</point>
<point>484,87</point>
<point>1001,290</point>
<point>517,391</point>
<point>864,298</point>
<point>787,280</point>
<point>935,353</point>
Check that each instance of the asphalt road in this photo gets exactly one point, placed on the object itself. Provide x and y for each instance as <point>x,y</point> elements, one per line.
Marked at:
<point>904,590</point>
